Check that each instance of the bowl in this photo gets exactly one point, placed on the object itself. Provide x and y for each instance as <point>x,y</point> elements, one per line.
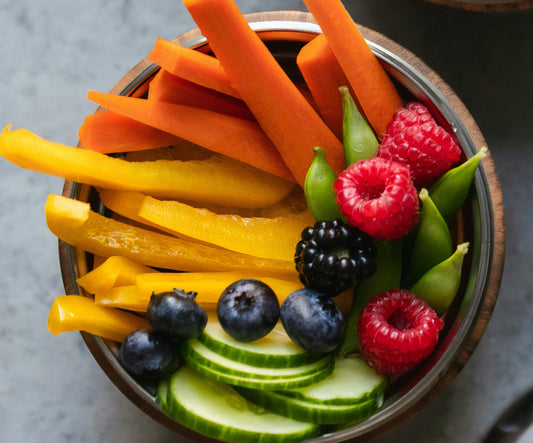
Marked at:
<point>481,222</point>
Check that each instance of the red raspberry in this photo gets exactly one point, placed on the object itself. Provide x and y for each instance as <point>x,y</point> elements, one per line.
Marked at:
<point>397,330</point>
<point>378,197</point>
<point>414,138</point>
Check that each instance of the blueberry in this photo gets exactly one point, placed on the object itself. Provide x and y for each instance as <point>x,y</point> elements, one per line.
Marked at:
<point>248,309</point>
<point>177,314</point>
<point>147,354</point>
<point>312,320</point>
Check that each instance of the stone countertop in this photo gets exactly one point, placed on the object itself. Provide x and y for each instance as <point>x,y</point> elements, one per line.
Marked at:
<point>53,52</point>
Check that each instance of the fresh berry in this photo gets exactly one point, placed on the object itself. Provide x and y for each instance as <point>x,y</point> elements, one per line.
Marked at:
<point>397,330</point>
<point>248,310</point>
<point>312,321</point>
<point>378,197</point>
<point>176,313</point>
<point>414,138</point>
<point>333,256</point>
<point>146,354</point>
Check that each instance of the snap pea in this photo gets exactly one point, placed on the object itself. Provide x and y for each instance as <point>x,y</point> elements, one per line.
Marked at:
<point>449,191</point>
<point>438,286</point>
<point>387,276</point>
<point>432,242</point>
<point>359,140</point>
<point>318,188</point>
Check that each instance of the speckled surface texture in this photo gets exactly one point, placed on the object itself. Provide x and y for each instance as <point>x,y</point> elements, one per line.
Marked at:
<point>51,389</point>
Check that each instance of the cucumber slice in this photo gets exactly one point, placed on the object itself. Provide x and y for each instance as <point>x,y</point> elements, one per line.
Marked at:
<point>204,356</point>
<point>276,350</point>
<point>161,393</point>
<point>253,382</point>
<point>216,410</point>
<point>302,410</point>
<point>352,381</point>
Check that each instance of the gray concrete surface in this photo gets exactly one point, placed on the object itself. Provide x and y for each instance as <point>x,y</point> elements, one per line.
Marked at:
<point>51,389</point>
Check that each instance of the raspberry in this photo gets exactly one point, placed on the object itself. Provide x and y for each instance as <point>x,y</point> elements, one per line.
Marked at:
<point>378,197</point>
<point>333,256</point>
<point>397,330</point>
<point>414,138</point>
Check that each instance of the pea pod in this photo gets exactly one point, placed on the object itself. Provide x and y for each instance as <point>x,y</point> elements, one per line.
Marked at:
<point>387,276</point>
<point>318,188</point>
<point>432,241</point>
<point>438,286</point>
<point>359,140</point>
<point>449,191</point>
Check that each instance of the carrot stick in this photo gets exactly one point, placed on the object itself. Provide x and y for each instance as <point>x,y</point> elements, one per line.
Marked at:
<point>237,138</point>
<point>323,76</point>
<point>167,87</point>
<point>374,90</point>
<point>192,65</point>
<point>279,107</point>
<point>108,132</point>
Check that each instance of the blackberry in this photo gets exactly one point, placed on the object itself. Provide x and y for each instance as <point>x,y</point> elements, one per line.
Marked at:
<point>332,256</point>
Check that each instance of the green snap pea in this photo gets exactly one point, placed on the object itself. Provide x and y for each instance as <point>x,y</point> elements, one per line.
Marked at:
<point>438,286</point>
<point>359,140</point>
<point>432,242</point>
<point>318,188</point>
<point>450,191</point>
<point>387,276</point>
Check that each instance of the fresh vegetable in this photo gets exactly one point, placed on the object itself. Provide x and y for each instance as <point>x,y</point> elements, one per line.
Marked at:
<point>312,320</point>
<point>333,256</point>
<point>375,92</point>
<point>439,285</point>
<point>318,188</point>
<point>378,197</point>
<point>397,330</point>
<point>248,309</point>
<point>237,138</point>
<point>279,107</point>
<point>147,354</point>
<point>216,410</point>
<point>359,140</point>
<point>109,132</point>
<point>450,191</point>
<point>432,241</point>
<point>217,180</point>
<point>75,223</point>
<point>323,76</point>
<point>176,313</point>
<point>191,65</point>
<point>78,313</point>
<point>166,87</point>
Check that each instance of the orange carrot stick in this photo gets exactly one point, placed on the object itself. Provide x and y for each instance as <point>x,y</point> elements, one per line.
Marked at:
<point>108,132</point>
<point>374,89</point>
<point>279,107</point>
<point>237,138</point>
<point>167,87</point>
<point>192,65</point>
<point>323,76</point>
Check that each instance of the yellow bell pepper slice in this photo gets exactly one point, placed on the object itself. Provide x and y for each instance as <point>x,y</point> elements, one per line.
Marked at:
<point>216,180</point>
<point>114,271</point>
<point>77,313</point>
<point>73,222</point>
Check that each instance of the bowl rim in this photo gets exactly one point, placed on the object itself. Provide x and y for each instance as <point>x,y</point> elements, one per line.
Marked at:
<point>442,372</point>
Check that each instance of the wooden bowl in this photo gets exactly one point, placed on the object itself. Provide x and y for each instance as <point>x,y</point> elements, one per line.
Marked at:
<point>481,223</point>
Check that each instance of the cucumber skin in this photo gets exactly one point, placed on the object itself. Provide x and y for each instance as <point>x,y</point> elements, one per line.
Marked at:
<point>229,434</point>
<point>192,350</point>
<point>300,410</point>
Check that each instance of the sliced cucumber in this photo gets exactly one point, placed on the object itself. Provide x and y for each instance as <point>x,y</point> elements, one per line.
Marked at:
<point>352,381</point>
<point>216,410</point>
<point>276,350</point>
<point>302,410</point>
<point>161,393</point>
<point>200,354</point>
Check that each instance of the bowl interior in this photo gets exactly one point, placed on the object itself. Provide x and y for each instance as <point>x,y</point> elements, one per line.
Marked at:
<point>474,224</point>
